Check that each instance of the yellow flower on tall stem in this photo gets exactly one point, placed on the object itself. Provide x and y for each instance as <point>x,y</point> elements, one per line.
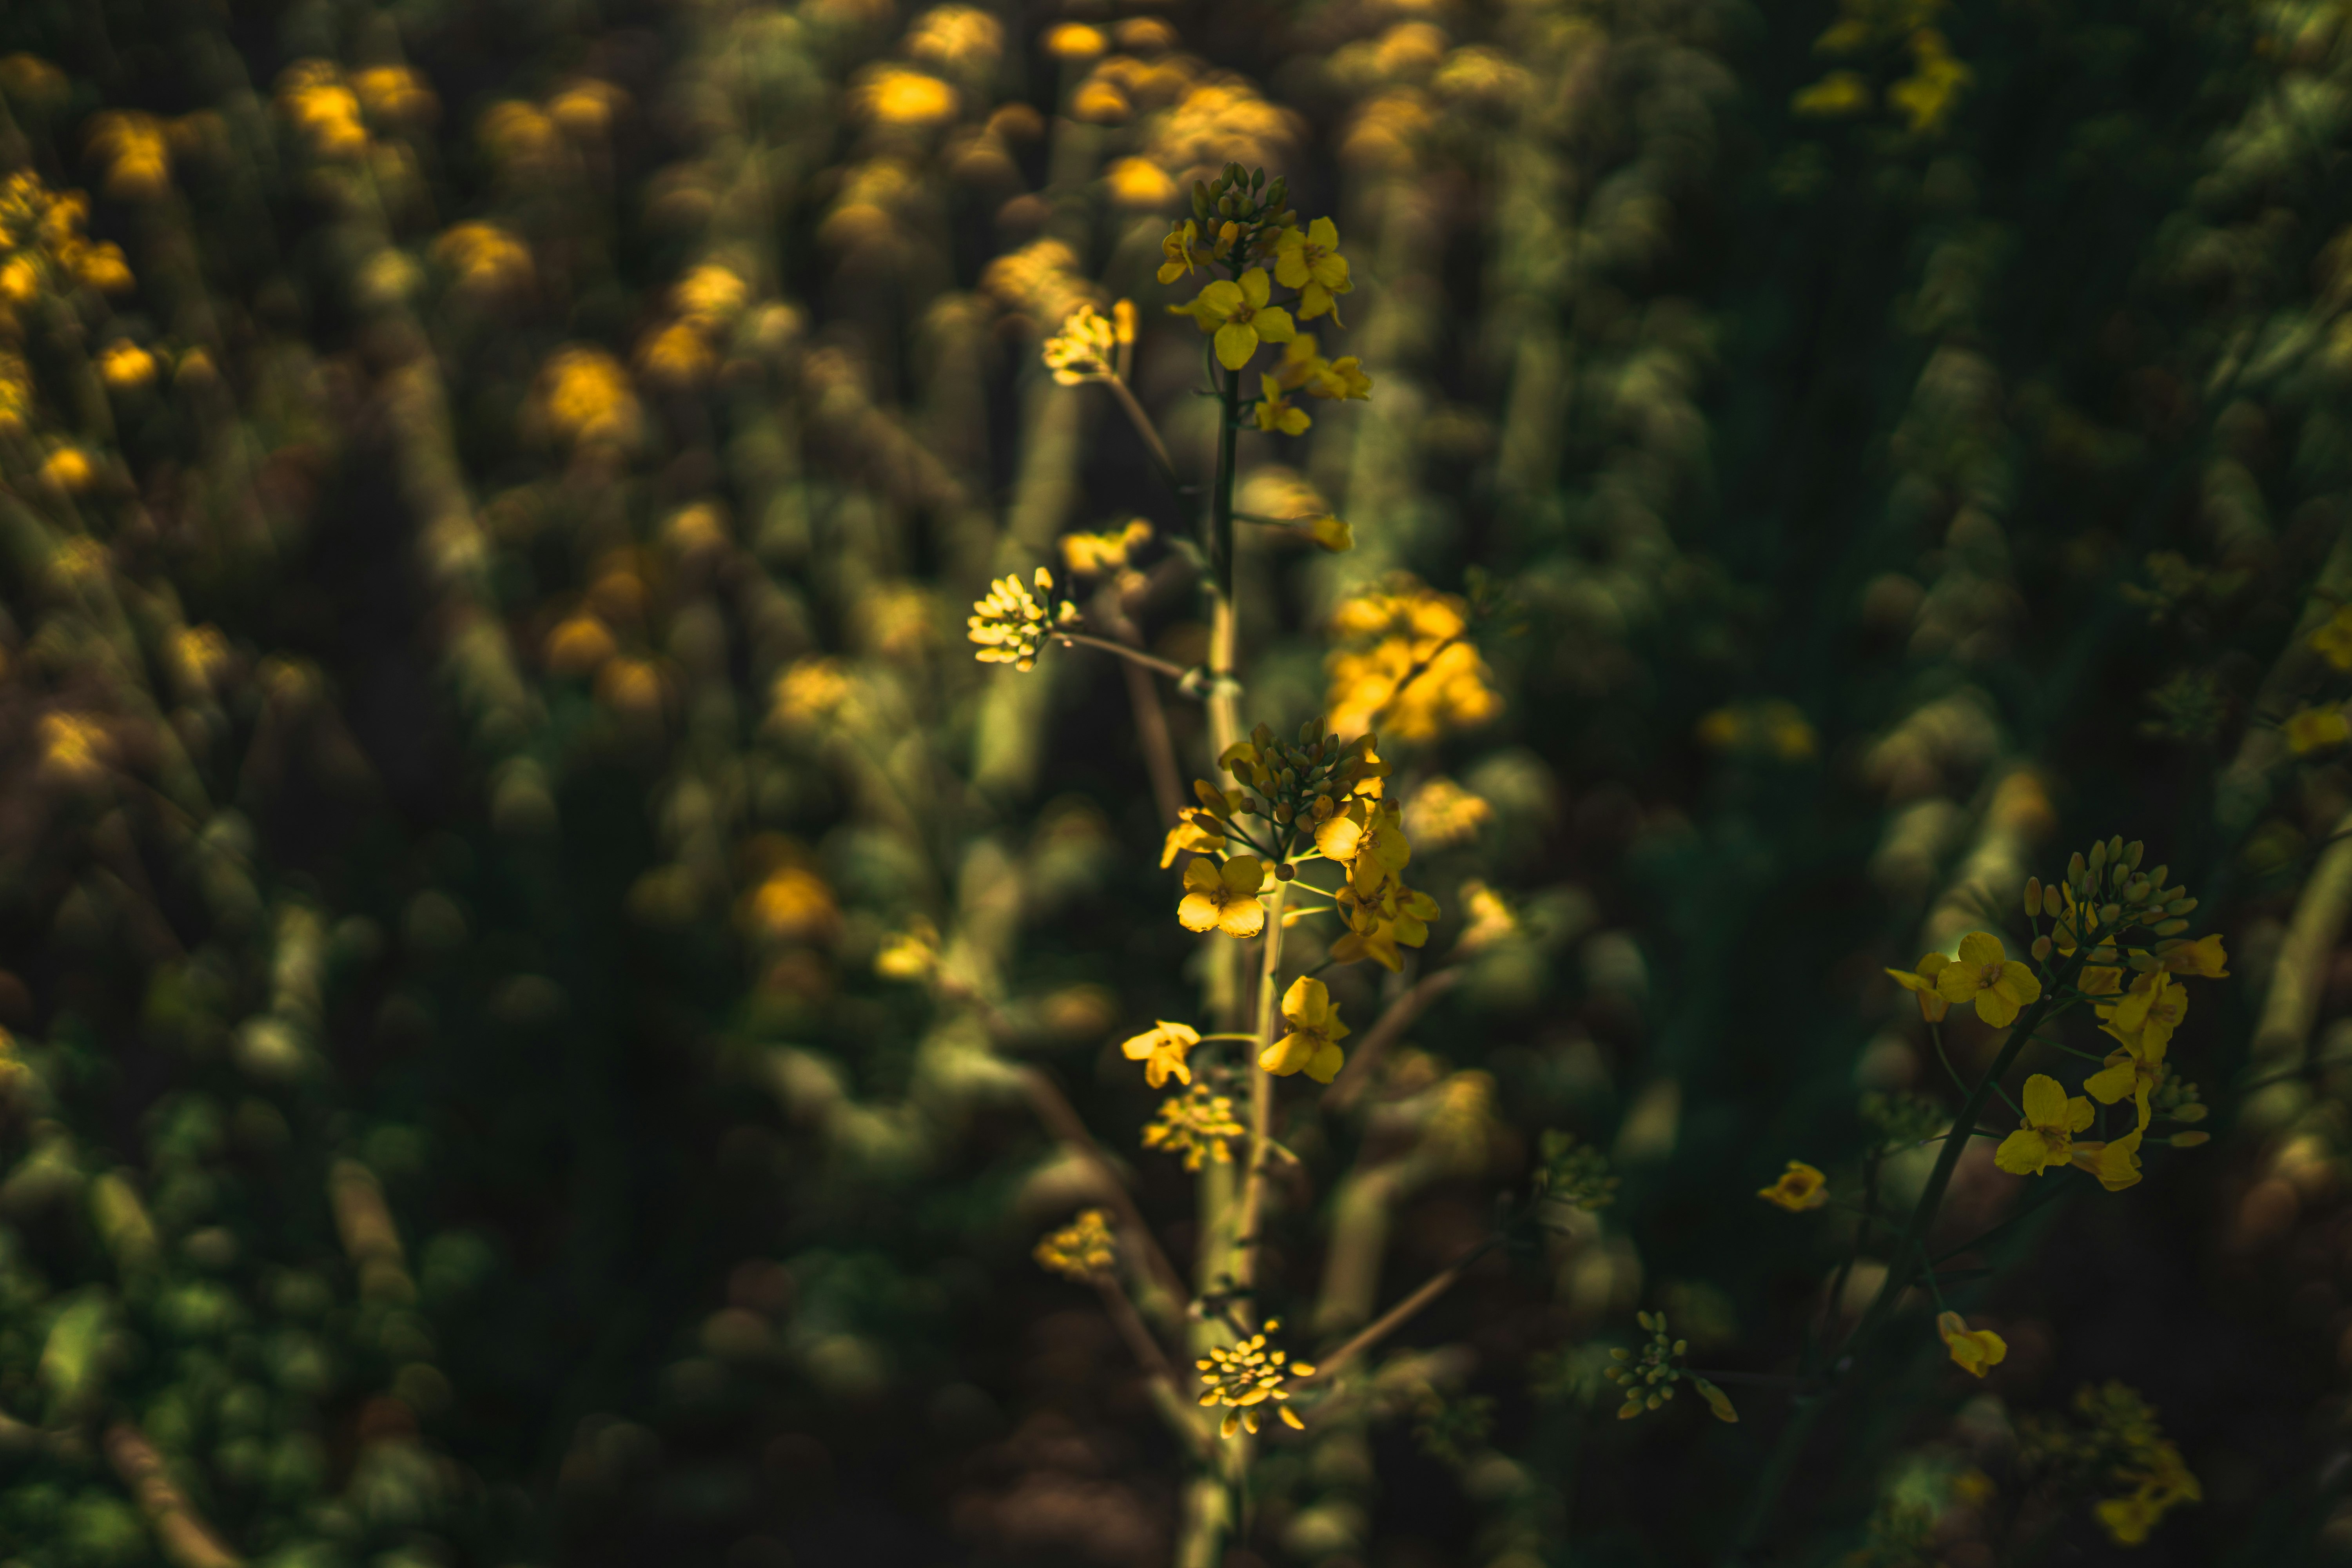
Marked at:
<point>1311,263</point>
<point>1161,1051</point>
<point>1275,412</point>
<point>1223,898</point>
<point>1316,1031</point>
<point>2047,1138</point>
<point>1973,1350</point>
<point>1237,310</point>
<point>1985,974</point>
<point>1921,983</point>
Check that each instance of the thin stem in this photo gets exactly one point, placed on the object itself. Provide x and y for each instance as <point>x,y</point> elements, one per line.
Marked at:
<point>1384,1032</point>
<point>1396,1317</point>
<point>1132,654</point>
<point>1245,1240</point>
<point>1936,1033</point>
<point>1062,1119</point>
<point>1831,1307</point>
<point>1166,1391</point>
<point>1151,433</point>
<point>1151,734</point>
<point>2044,1193</point>
<point>1224,712</point>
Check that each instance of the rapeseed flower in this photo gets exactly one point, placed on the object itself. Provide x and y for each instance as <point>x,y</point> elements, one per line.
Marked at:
<point>1274,412</point>
<point>1198,1124</point>
<point>1247,1376</point>
<point>1082,1250</point>
<point>1313,1043</point>
<point>1237,310</point>
<point>2047,1137</point>
<point>1973,1350</point>
<point>1311,263</point>
<point>1984,974</point>
<point>2316,730</point>
<point>1083,350</point>
<point>1800,1187</point>
<point>1223,898</point>
<point>1178,247</point>
<point>1010,623</point>
<point>2334,640</point>
<point>2115,1162</point>
<point>2205,958</point>
<point>1161,1051</point>
<point>1921,983</point>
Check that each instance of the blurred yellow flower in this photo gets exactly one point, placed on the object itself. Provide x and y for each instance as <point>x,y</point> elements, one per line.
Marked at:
<point>897,96</point>
<point>676,356</point>
<point>810,691</point>
<point>1311,263</point>
<point>579,646</point>
<point>587,396</point>
<point>1083,350</point>
<point>1161,1051</point>
<point>125,366</point>
<point>2316,730</point>
<point>1932,91</point>
<point>793,904</point>
<point>1332,534</point>
<point>1099,104</point>
<point>1099,554</point>
<point>1082,1250</point>
<point>2204,958</point>
<point>1984,974</point>
<point>397,95</point>
<point>74,747</point>
<point>1237,312</point>
<point>1442,815</point>
<point>2334,640</point>
<point>1197,1124</point>
<point>2047,1137</point>
<point>1223,898</point>
<point>484,259</point>
<point>1312,1046</point>
<point>711,295</point>
<point>1404,660</point>
<point>311,94</point>
<point>959,37</point>
<point>1922,983</point>
<point>137,155</point>
<point>1973,1350</point>
<point>1141,185</point>
<point>909,954</point>
<point>69,469</point>
<point>1840,93</point>
<point>1074,41</point>
<point>1800,1187</point>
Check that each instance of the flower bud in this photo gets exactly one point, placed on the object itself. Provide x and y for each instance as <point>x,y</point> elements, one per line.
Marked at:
<point>2051,904</point>
<point>2032,896</point>
<point>2074,869</point>
<point>2098,857</point>
<point>2040,950</point>
<point>2189,1139</point>
<point>2132,852</point>
<point>1285,871</point>
<point>2170,928</point>
<point>2191,1111</point>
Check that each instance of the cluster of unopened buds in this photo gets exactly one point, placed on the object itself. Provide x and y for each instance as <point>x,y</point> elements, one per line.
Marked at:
<point>1649,1378</point>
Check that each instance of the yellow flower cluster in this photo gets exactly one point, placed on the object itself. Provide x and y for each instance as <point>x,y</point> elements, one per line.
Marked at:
<point>1927,97</point>
<point>1009,624</point>
<point>2111,1439</point>
<point>1248,223</point>
<point>42,249</point>
<point>1403,661</point>
<point>1082,1250</point>
<point>1198,1124</point>
<point>1247,1375</point>
<point>1086,348</point>
<point>1649,1379</point>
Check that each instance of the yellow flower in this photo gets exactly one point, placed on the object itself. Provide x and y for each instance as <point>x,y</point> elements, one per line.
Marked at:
<point>1247,1376</point>
<point>1161,1051</point>
<point>1922,983</point>
<point>909,954</point>
<point>1332,534</point>
<point>1933,90</point>
<point>1009,623</point>
<point>2144,1021</point>
<point>2316,730</point>
<point>1311,263</point>
<point>1370,840</point>
<point>2129,1520</point>
<point>1316,1031</point>
<point>1082,1250</point>
<point>1973,1350</point>
<point>1998,984</point>
<point>1177,246</point>
<point>2115,1162</point>
<point>1082,350</point>
<point>1277,413</point>
<point>1397,916</point>
<point>2334,640</point>
<point>125,366</point>
<point>1342,377</point>
<point>897,96</point>
<point>1197,1125</point>
<point>1096,554</point>
<point>2047,1137</point>
<point>1838,93</point>
<point>1800,1187</point>
<point>2100,979</point>
<point>1196,832</point>
<point>1223,898</point>
<point>1237,312</point>
<point>2204,958</point>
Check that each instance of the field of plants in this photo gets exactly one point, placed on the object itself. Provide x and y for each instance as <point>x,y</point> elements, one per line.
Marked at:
<point>1175,784</point>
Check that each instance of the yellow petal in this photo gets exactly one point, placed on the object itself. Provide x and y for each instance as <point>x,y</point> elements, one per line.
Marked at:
<point>1979,949</point>
<point>2023,1153</point>
<point>1243,874</point>
<point>1324,233</point>
<point>2044,1100</point>
<point>2079,1114</point>
<point>1199,911</point>
<point>1287,1054</point>
<point>1273,325</point>
<point>1254,287</point>
<point>1235,344</point>
<point>1201,877</point>
<point>1324,1065</point>
<point>2018,983</point>
<point>2112,1083</point>
<point>1995,1008</point>
<point>1245,918</point>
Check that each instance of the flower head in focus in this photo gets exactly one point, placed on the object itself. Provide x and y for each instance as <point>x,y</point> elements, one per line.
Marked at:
<point>1161,1051</point>
<point>2047,1137</point>
<point>1973,1349</point>
<point>1223,898</point>
<point>1984,974</point>
<point>1009,624</point>
<point>1274,412</point>
<point>1311,263</point>
<point>1247,1375</point>
<point>1237,310</point>
<point>1312,1046</point>
<point>1921,983</point>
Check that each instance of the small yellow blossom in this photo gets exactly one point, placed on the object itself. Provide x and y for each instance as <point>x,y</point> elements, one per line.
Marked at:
<point>311,94</point>
<point>1973,1350</point>
<point>1199,1125</point>
<point>1999,986</point>
<point>1223,898</point>
<point>2100,979</point>
<point>1196,833</point>
<point>125,366</point>
<point>2204,958</point>
<point>1161,1051</point>
<point>909,954</point>
<point>1247,1376</point>
<point>1083,350</point>
<point>1800,1187</point>
<point>1009,623</point>
<point>1082,1250</point>
<point>793,905</point>
<point>2144,1019</point>
<point>1316,1031</point>
<point>1311,263</point>
<point>1342,377</point>
<point>1922,983</point>
<point>2115,1161</point>
<point>69,469</point>
<point>1442,815</point>
<point>579,645</point>
<point>1099,554</point>
<point>1237,312</point>
<point>74,747</point>
<point>894,95</point>
<point>586,396</point>
<point>1074,41</point>
<point>1275,412</point>
<point>138,156</point>
<point>1842,93</point>
<point>2047,1136</point>
<point>1932,91</point>
<point>1332,534</point>
<point>1404,660</point>
<point>1178,247</point>
<point>2316,730</point>
<point>2334,640</point>
<point>2127,1520</point>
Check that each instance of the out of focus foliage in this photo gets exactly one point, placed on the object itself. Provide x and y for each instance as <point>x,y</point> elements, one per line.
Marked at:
<point>533,953</point>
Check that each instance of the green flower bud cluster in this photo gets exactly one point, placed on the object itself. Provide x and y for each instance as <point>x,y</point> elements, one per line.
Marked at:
<point>1649,1379</point>
<point>1573,1172</point>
